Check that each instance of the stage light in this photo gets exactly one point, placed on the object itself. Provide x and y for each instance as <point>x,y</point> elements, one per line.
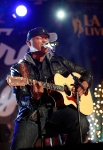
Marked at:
<point>21,10</point>
<point>61,14</point>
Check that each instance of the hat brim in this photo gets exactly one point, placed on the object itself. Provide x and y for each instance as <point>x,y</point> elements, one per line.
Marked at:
<point>52,37</point>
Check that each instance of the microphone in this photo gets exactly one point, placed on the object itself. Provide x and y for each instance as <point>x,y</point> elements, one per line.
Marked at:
<point>50,44</point>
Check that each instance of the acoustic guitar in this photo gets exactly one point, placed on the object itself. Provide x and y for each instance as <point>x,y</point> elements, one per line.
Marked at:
<point>60,90</point>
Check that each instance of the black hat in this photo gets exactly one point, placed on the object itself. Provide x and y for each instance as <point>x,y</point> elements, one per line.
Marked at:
<point>39,31</point>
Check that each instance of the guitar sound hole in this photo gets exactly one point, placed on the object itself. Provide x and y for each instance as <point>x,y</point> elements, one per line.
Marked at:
<point>67,90</point>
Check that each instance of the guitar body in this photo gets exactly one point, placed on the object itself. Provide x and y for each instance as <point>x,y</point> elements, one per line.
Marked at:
<point>61,98</point>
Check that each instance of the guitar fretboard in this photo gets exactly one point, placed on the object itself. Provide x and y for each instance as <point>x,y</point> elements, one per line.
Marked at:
<point>50,86</point>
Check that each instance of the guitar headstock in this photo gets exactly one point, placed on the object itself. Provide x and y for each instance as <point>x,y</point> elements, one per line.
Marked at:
<point>16,81</point>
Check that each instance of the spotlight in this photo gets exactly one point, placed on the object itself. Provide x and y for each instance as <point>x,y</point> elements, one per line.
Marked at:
<point>21,10</point>
<point>61,14</point>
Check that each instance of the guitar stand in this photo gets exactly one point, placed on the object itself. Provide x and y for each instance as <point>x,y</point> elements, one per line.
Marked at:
<point>77,82</point>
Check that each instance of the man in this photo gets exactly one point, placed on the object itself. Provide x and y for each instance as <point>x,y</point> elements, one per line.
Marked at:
<point>37,99</point>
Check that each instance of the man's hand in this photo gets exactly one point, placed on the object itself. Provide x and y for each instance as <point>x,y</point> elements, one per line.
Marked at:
<point>37,89</point>
<point>80,90</point>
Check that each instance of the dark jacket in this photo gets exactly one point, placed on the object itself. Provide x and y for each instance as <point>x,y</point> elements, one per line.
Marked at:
<point>53,63</point>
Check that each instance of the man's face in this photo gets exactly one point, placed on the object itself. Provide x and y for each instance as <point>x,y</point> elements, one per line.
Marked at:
<point>36,43</point>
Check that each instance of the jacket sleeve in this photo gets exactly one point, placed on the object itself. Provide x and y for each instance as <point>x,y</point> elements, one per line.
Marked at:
<point>85,74</point>
<point>22,93</point>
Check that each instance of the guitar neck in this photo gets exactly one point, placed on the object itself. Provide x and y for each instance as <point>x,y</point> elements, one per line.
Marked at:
<point>50,86</point>
<point>21,81</point>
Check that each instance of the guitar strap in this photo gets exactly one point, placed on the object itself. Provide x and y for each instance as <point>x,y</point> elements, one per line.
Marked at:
<point>25,73</point>
<point>24,70</point>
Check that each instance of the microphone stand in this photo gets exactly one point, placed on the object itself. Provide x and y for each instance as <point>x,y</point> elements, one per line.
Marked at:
<point>76,83</point>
